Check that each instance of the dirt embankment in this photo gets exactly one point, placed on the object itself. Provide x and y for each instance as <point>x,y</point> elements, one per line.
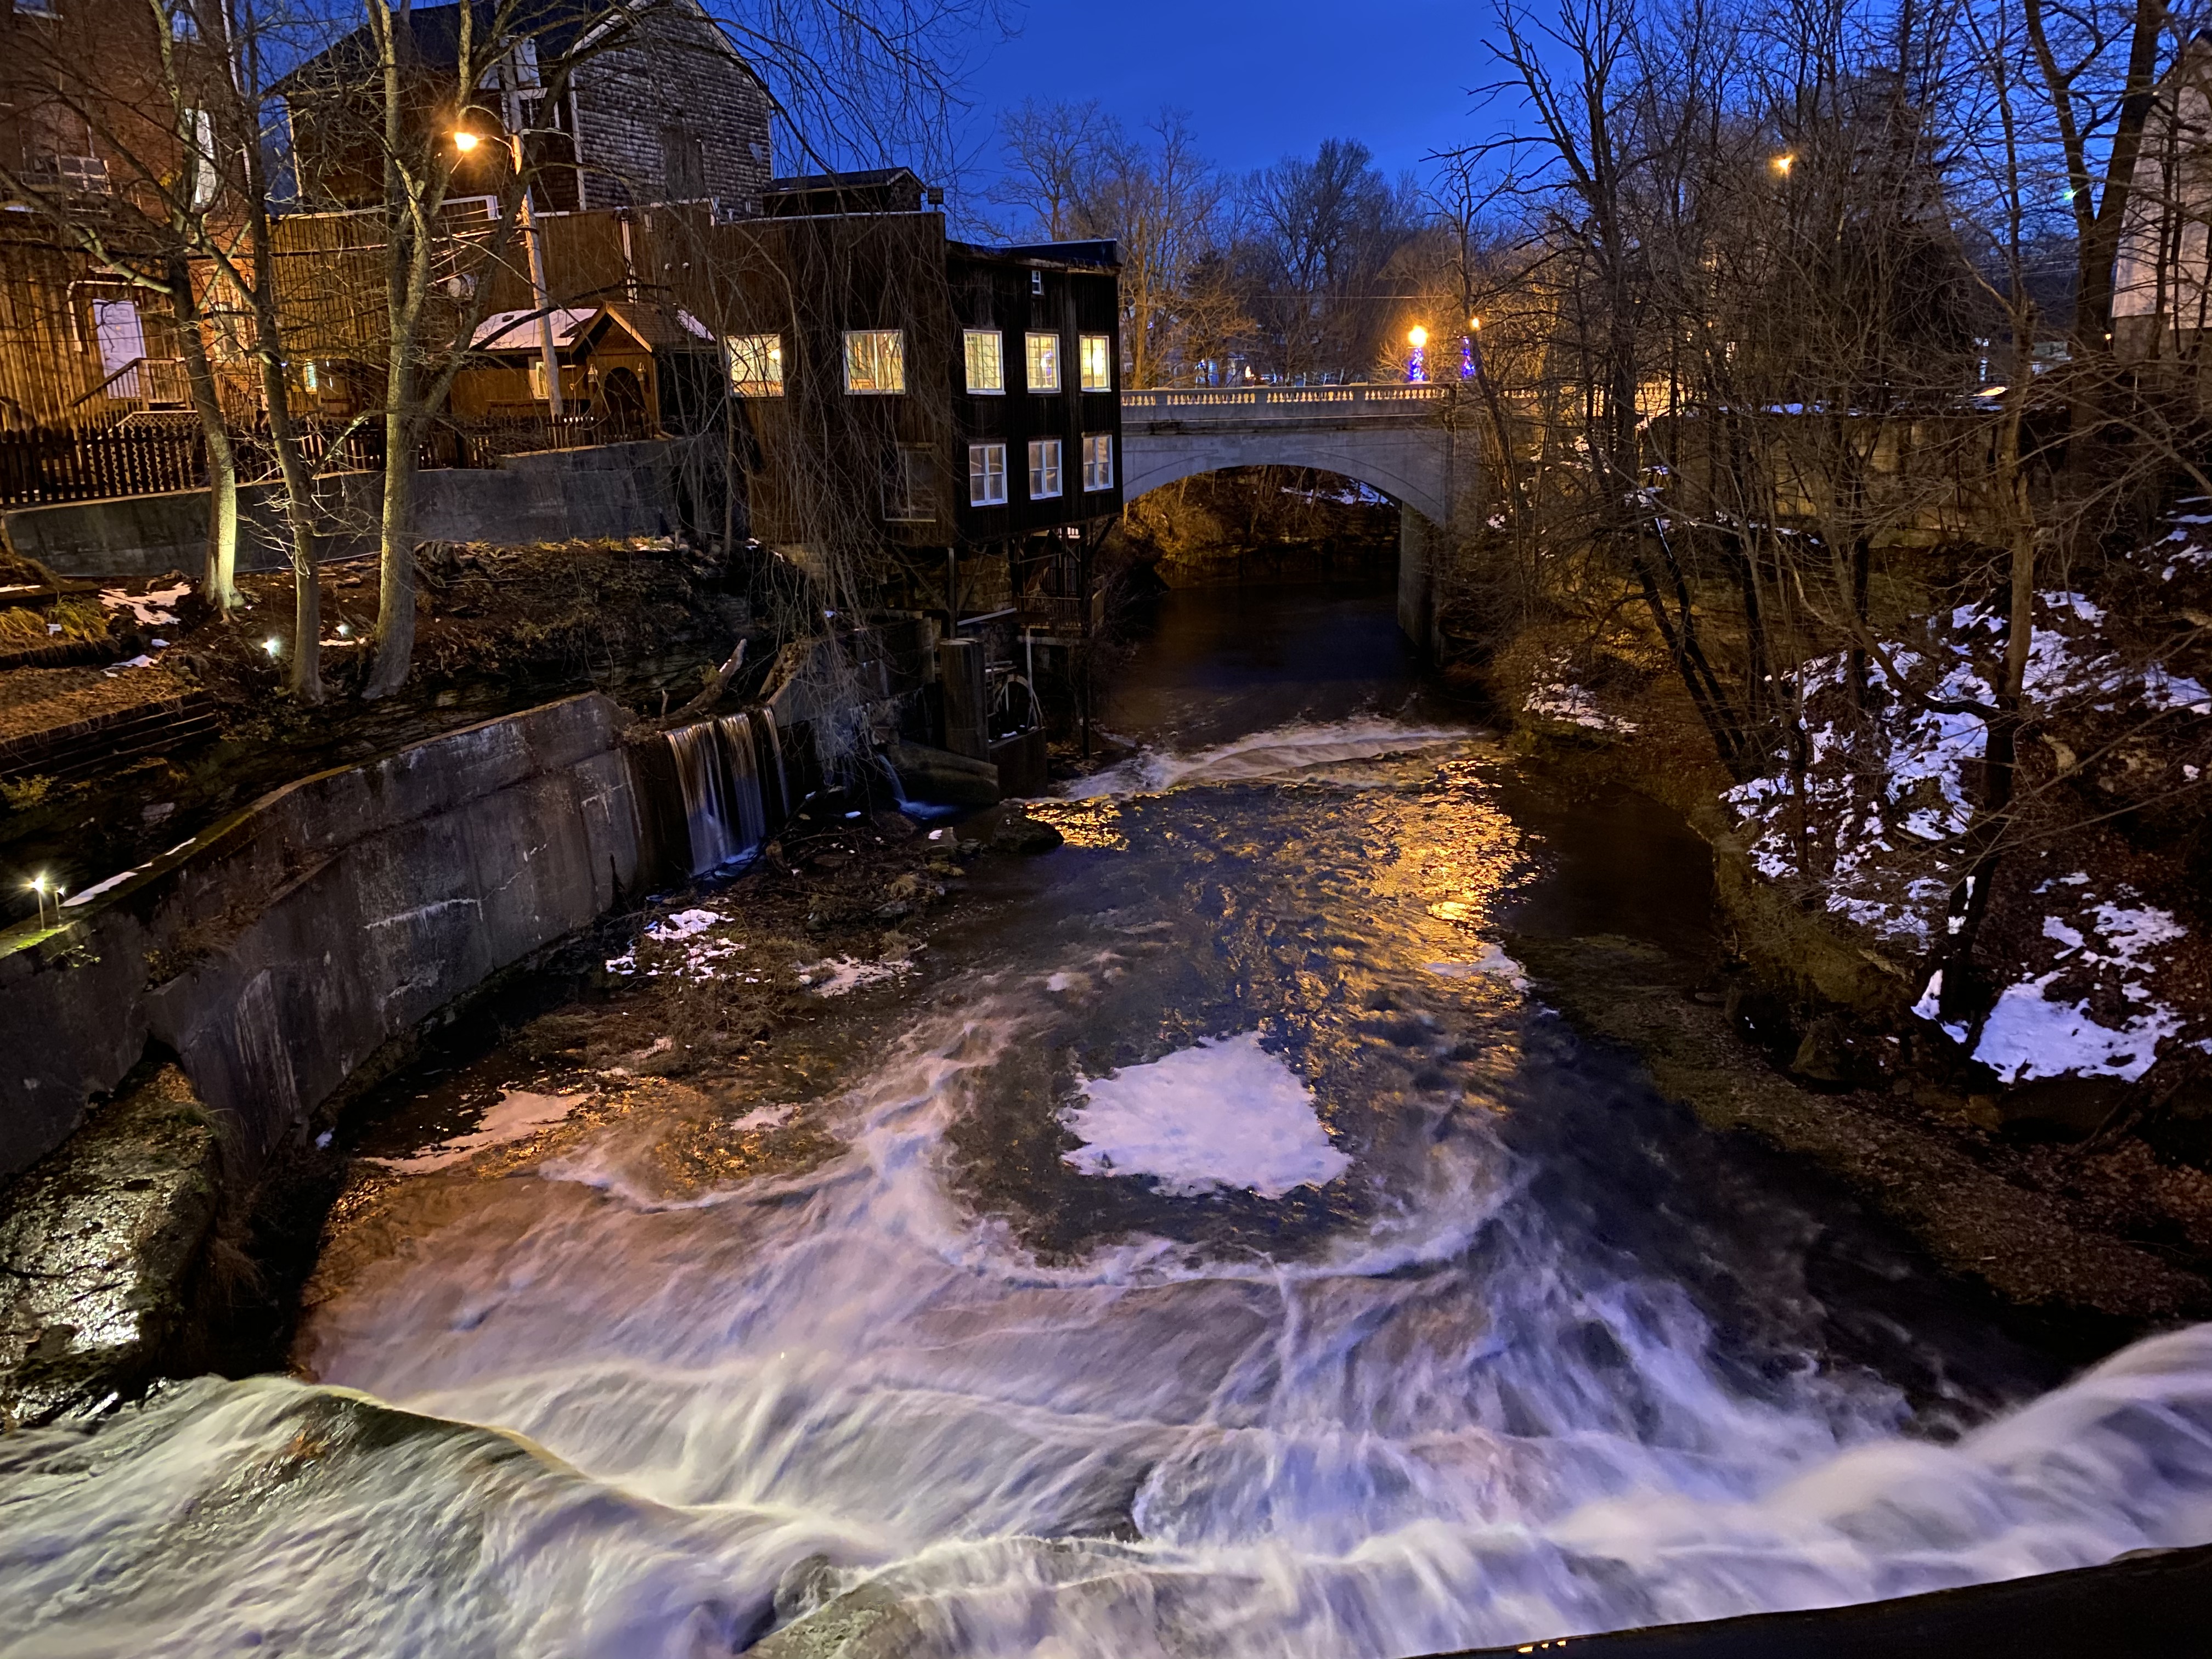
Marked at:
<point>2051,1132</point>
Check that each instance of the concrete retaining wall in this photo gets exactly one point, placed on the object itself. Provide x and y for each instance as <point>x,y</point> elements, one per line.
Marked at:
<point>281,949</point>
<point>612,490</point>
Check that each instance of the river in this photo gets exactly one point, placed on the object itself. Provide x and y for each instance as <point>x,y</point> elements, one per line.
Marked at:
<point>1218,1249</point>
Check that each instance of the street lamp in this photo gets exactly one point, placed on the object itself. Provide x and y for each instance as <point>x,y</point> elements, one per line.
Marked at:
<point>1782,164</point>
<point>38,886</point>
<point>465,141</point>
<point>1416,361</point>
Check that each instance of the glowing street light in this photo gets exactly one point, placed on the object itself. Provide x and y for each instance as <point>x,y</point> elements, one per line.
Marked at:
<point>39,887</point>
<point>1782,164</point>
<point>465,141</point>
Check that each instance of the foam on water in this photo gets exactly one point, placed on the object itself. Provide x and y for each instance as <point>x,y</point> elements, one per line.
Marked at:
<point>1453,1415</point>
<point>1282,752</point>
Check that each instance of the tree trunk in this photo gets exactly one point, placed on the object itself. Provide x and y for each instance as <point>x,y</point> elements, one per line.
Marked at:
<point>306,681</point>
<point>220,581</point>
<point>395,586</point>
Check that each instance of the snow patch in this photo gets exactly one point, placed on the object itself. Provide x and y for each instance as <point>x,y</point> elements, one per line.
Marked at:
<point>519,1114</point>
<point>1492,963</point>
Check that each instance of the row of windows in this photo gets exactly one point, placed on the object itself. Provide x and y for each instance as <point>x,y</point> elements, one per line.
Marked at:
<point>985,354</point>
<point>875,363</point>
<point>987,469</point>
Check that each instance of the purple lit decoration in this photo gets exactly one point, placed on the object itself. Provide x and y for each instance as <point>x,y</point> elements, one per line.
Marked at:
<point>1417,359</point>
<point>1466,356</point>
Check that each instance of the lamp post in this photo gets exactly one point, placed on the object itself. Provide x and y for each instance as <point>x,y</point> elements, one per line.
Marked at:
<point>465,141</point>
<point>1416,360</point>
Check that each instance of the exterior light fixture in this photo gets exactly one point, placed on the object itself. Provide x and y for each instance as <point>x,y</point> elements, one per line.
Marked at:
<point>1782,164</point>
<point>272,645</point>
<point>346,631</point>
<point>1417,338</point>
<point>465,141</point>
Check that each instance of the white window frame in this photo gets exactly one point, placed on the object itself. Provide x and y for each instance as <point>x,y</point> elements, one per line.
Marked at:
<point>990,345</point>
<point>879,355</point>
<point>1102,347</point>
<point>1040,361</point>
<point>1047,475</point>
<point>762,353</point>
<point>987,475</point>
<point>1098,461</point>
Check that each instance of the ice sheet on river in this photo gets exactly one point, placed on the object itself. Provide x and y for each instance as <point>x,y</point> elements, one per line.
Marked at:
<point>1224,1114</point>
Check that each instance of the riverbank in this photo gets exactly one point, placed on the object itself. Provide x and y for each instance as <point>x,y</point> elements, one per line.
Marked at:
<point>1802,1029</point>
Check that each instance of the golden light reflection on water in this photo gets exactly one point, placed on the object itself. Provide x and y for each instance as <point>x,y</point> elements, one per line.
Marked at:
<point>1095,823</point>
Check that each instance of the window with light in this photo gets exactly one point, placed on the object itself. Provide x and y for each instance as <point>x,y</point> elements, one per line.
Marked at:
<point>1044,362</point>
<point>987,361</point>
<point>987,475</point>
<point>756,365</point>
<point>1044,468</point>
<point>875,361</point>
<point>1098,362</point>
<point>1098,460</point>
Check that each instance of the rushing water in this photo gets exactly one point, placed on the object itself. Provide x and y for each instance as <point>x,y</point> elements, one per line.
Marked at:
<point>1229,1255</point>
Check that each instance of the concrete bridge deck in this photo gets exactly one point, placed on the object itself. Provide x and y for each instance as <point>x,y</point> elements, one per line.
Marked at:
<point>1394,438</point>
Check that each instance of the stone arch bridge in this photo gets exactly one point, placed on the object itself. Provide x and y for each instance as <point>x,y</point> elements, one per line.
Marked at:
<point>1395,438</point>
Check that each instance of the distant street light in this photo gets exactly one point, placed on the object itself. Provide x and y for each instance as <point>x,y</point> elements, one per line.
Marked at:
<point>465,141</point>
<point>1782,164</point>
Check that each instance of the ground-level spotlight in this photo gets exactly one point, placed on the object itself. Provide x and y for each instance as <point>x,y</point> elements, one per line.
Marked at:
<point>272,645</point>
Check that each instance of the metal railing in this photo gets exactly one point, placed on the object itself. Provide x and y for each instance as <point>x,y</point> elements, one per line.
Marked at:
<point>150,455</point>
<point>1380,398</point>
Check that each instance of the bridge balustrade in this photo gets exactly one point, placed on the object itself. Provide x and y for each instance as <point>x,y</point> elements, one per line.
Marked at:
<point>1388,399</point>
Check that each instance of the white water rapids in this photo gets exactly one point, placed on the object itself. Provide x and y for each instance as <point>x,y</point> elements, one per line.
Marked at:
<point>1453,1414</point>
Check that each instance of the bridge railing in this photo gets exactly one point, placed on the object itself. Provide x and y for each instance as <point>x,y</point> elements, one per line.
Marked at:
<point>1380,400</point>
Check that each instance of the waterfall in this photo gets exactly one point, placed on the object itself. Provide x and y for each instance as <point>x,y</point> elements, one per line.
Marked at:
<point>742,760</point>
<point>726,804</point>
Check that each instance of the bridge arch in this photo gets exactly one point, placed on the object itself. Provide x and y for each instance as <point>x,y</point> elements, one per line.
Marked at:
<point>1149,462</point>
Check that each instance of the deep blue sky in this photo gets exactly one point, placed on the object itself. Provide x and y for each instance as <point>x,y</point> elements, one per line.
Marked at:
<point>1259,79</point>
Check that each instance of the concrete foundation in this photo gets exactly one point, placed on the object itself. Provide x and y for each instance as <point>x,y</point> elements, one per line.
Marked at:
<point>277,952</point>
<point>615,490</point>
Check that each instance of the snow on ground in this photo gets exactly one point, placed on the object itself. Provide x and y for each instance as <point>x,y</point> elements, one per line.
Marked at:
<point>2095,974</point>
<point>1225,1113</point>
<point>1556,696</point>
<point>681,944</point>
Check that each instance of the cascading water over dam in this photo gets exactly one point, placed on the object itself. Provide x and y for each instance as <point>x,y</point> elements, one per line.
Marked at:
<point>1212,1246</point>
<point>735,787</point>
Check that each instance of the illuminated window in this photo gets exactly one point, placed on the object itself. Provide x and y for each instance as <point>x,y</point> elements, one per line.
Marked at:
<point>1044,362</point>
<point>986,360</point>
<point>875,361</point>
<point>987,475</point>
<point>756,365</point>
<point>1044,468</point>
<point>1098,362</point>
<point>1098,461</point>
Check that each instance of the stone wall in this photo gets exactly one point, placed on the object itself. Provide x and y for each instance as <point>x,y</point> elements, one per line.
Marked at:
<point>277,952</point>
<point>612,490</point>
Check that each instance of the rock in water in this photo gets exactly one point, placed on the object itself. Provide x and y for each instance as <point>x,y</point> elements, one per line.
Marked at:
<point>98,1246</point>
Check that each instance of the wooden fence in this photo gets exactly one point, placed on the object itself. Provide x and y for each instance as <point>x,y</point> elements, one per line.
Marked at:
<point>144,456</point>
